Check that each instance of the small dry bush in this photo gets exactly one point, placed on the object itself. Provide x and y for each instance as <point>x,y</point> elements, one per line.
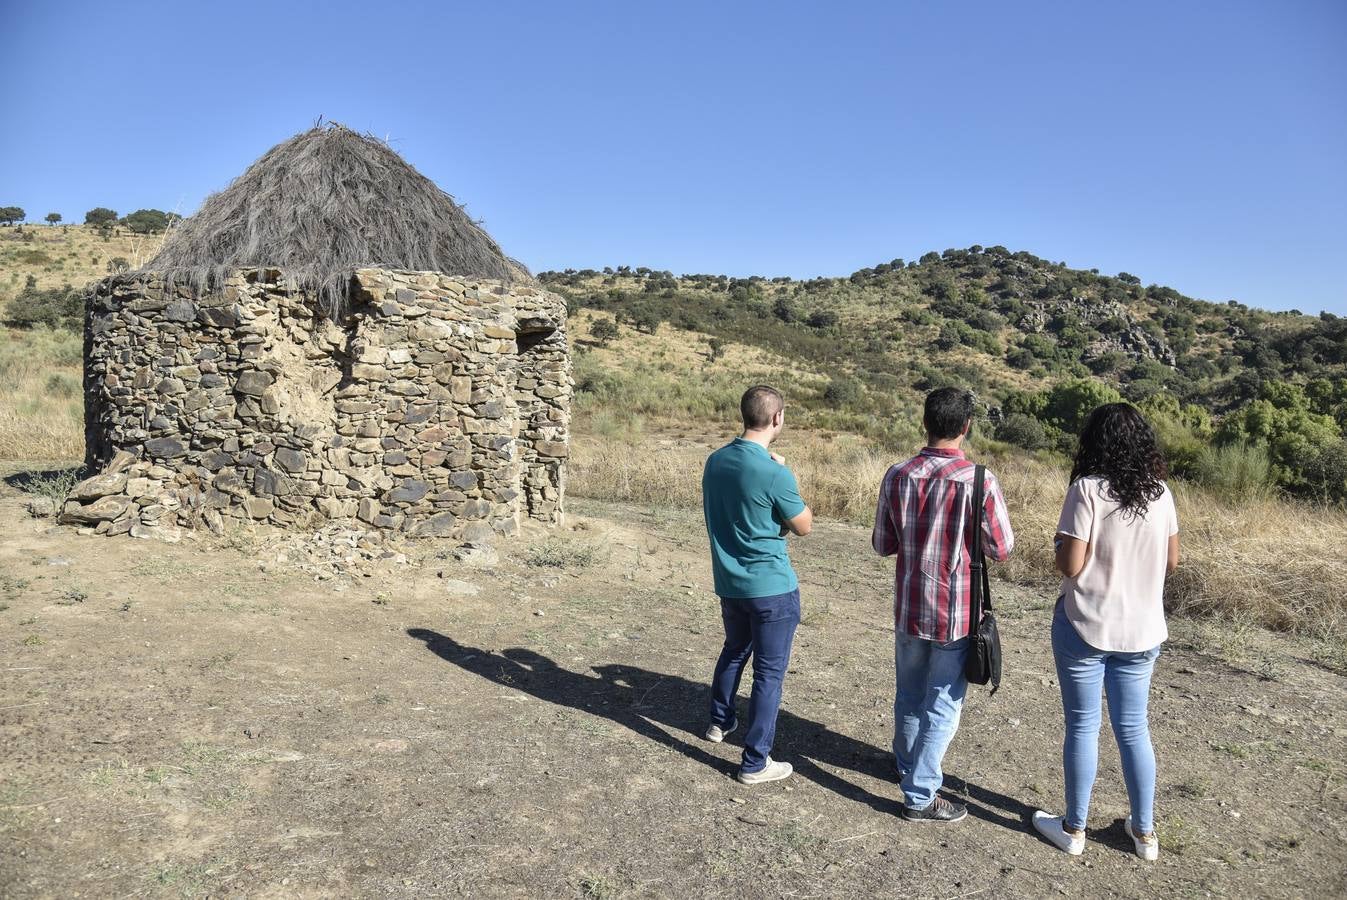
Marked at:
<point>563,553</point>
<point>41,404</point>
<point>1280,564</point>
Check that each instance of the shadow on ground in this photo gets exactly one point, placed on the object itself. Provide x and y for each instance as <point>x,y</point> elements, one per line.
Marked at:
<point>41,481</point>
<point>649,702</point>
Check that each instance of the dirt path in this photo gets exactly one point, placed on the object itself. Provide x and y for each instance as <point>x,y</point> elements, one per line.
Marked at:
<point>175,721</point>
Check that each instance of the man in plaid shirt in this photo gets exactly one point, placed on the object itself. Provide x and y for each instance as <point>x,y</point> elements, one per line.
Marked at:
<point>925,519</point>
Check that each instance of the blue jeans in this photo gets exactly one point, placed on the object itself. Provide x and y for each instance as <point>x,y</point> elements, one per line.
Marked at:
<point>1082,671</point>
<point>763,627</point>
<point>926,706</point>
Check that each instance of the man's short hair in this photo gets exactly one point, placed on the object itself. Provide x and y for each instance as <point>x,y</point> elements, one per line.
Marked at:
<point>759,404</point>
<point>947,409</point>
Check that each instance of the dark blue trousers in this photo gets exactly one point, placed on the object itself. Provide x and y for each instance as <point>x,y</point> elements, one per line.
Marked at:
<point>764,628</point>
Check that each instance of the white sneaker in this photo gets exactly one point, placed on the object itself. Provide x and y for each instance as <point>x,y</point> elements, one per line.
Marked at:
<point>715,734</point>
<point>1148,847</point>
<point>773,771</point>
<point>1052,828</point>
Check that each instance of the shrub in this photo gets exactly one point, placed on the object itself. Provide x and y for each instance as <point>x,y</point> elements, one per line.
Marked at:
<point>842,391</point>
<point>822,318</point>
<point>1324,474</point>
<point>786,311</point>
<point>1239,472</point>
<point>560,553</point>
<point>62,384</point>
<point>604,331</point>
<point>949,336</point>
<point>1022,431</point>
<point>1068,404</point>
<point>986,320</point>
<point>1281,421</point>
<point>60,307</point>
<point>1104,363</point>
<point>646,319</point>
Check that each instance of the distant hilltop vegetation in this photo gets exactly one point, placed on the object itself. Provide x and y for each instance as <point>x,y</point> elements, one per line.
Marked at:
<point>1241,397</point>
<point>1013,326</point>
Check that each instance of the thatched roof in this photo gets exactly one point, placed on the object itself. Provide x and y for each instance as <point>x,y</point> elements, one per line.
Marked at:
<point>320,205</point>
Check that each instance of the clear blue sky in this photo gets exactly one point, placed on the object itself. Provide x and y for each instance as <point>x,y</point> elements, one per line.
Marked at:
<point>1200,145</point>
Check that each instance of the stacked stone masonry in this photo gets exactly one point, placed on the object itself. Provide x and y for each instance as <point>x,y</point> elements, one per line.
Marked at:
<point>438,406</point>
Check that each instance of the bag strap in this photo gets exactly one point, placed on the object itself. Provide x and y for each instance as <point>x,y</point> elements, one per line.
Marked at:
<point>980,595</point>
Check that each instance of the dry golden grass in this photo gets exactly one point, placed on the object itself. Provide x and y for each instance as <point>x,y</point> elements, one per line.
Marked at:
<point>1279,564</point>
<point>41,397</point>
<point>75,255</point>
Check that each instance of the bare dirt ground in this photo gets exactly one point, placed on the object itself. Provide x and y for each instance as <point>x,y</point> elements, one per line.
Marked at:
<point>200,719</point>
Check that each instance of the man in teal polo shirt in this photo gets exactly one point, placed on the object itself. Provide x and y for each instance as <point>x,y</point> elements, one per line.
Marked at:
<point>751,502</point>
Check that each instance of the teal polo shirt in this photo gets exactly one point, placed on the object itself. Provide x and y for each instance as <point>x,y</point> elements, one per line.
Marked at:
<point>746,496</point>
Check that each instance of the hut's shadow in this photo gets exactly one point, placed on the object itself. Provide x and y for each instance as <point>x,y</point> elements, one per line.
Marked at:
<point>670,710</point>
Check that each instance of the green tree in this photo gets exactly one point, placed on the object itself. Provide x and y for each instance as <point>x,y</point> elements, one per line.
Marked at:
<point>147,221</point>
<point>784,310</point>
<point>52,218</point>
<point>646,319</point>
<point>715,348</point>
<point>1023,431</point>
<point>1295,437</point>
<point>11,214</point>
<point>100,217</point>
<point>604,331</point>
<point>1068,404</point>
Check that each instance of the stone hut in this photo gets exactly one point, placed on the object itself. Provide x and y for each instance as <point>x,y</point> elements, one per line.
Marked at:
<point>329,338</point>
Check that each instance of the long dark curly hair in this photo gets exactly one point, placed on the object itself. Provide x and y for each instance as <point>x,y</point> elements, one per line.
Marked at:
<point>1119,446</point>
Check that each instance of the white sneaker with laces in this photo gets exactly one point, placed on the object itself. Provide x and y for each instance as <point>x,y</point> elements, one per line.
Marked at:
<point>1148,847</point>
<point>715,734</point>
<point>773,771</point>
<point>1053,828</point>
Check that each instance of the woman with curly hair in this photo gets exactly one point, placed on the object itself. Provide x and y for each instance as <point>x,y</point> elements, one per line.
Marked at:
<point>1117,539</point>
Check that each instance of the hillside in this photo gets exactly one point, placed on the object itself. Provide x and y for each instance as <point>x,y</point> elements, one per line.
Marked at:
<point>67,255</point>
<point>1244,399</point>
<point>1014,327</point>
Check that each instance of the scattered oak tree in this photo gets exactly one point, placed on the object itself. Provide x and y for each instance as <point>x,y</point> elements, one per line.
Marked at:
<point>100,217</point>
<point>604,331</point>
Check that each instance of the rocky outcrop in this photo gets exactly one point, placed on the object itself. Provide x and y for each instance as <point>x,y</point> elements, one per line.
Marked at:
<point>1119,330</point>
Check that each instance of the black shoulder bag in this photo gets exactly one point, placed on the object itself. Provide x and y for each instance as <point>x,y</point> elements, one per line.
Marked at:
<point>984,642</point>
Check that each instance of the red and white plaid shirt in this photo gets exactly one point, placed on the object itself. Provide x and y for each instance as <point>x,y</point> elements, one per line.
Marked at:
<point>923,517</point>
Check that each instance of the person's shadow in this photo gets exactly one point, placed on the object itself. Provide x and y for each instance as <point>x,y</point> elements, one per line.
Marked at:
<point>650,702</point>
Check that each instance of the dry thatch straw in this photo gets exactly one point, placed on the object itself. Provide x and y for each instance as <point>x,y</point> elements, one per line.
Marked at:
<point>319,206</point>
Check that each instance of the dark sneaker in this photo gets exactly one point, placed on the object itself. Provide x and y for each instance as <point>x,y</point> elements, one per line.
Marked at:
<point>938,810</point>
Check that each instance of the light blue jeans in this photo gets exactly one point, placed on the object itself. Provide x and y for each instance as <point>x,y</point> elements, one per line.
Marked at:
<point>1082,671</point>
<point>926,707</point>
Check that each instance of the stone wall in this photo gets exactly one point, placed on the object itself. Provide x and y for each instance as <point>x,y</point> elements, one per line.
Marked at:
<point>439,406</point>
